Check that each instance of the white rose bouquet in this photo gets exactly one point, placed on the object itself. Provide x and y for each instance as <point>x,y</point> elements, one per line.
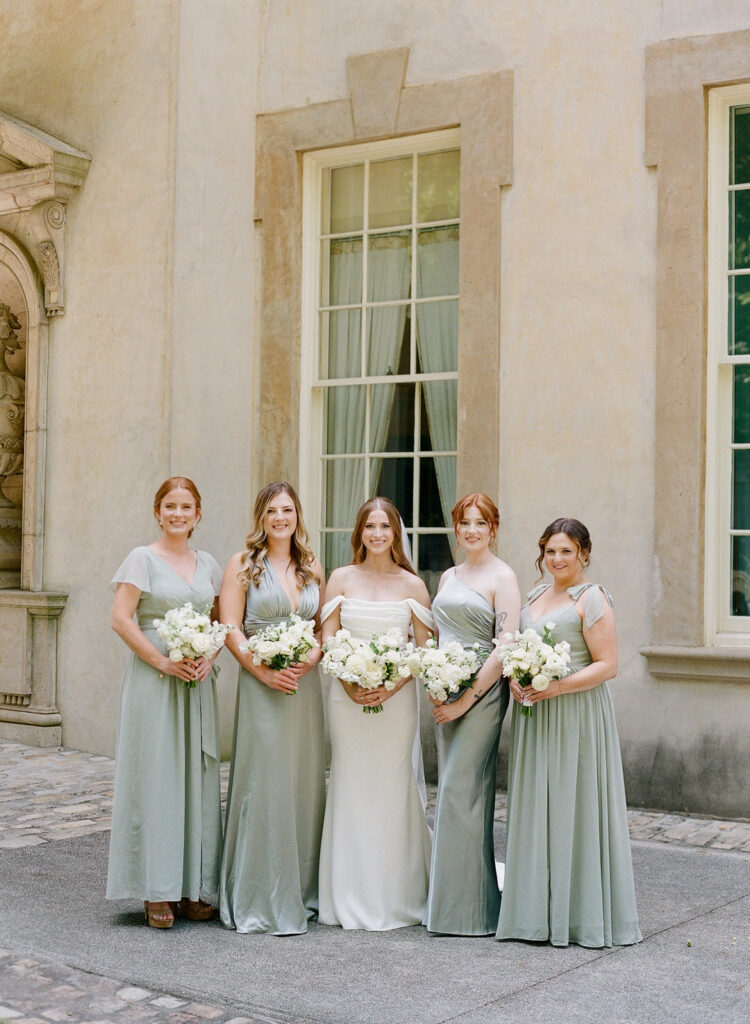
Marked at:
<point>533,660</point>
<point>444,670</point>
<point>189,633</point>
<point>282,644</point>
<point>379,661</point>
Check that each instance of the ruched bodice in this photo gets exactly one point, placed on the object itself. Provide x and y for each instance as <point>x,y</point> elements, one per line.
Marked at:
<point>363,618</point>
<point>463,614</point>
<point>268,603</point>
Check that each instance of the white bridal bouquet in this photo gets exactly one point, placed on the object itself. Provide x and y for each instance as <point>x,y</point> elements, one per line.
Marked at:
<point>533,660</point>
<point>444,670</point>
<point>379,661</point>
<point>282,644</point>
<point>189,633</point>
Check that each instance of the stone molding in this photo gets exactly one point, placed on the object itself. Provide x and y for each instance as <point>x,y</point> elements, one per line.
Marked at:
<point>678,74</point>
<point>46,174</point>
<point>28,666</point>
<point>379,106</point>
<point>698,664</point>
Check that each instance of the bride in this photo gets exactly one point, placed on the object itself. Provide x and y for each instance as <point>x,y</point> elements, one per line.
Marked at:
<point>375,853</point>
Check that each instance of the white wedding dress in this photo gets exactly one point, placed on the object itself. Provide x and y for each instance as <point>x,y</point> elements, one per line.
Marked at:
<point>375,852</point>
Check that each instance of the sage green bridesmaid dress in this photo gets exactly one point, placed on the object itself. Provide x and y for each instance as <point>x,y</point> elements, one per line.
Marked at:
<point>568,871</point>
<point>464,898</point>
<point>166,817</point>
<point>269,870</point>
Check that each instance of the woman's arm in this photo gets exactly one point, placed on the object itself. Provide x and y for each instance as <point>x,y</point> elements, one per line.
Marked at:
<point>232,613</point>
<point>124,605</point>
<point>601,640</point>
<point>507,604</point>
<point>330,627</point>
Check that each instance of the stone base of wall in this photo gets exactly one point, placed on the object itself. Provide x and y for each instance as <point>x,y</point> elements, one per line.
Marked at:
<point>28,667</point>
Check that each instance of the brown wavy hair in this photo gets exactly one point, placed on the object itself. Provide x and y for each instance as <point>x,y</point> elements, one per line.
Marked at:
<point>256,543</point>
<point>172,484</point>
<point>572,528</point>
<point>486,506</point>
<point>359,552</point>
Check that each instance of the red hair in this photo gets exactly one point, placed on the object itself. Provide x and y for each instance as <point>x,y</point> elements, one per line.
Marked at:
<point>485,504</point>
<point>175,482</point>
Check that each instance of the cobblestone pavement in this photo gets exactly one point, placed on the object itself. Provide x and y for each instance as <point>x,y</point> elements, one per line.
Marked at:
<point>41,992</point>
<point>58,793</point>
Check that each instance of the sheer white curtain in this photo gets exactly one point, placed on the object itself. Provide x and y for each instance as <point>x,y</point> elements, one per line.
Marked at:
<point>346,406</point>
<point>437,339</point>
<point>388,273</point>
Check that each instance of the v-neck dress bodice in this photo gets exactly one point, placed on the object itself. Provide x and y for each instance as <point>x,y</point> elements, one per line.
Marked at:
<point>166,819</point>
<point>269,870</point>
<point>464,896</point>
<point>568,872</point>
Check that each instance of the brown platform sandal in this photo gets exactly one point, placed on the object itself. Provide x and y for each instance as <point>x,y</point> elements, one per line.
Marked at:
<point>194,910</point>
<point>158,914</point>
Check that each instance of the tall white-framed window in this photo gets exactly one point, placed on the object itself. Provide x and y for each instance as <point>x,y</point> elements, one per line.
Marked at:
<point>727,572</point>
<point>381,226</point>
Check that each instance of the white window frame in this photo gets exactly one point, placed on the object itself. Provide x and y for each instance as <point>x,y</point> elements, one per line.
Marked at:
<point>721,627</point>
<point>313,389</point>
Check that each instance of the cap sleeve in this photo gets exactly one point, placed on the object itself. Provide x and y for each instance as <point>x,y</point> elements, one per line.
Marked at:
<point>534,593</point>
<point>593,604</point>
<point>216,574</point>
<point>134,570</point>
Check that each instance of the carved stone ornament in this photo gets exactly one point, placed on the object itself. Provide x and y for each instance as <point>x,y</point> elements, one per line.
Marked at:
<point>38,175</point>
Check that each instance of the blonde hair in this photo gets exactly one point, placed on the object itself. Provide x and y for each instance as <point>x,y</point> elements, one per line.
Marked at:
<point>359,552</point>
<point>256,543</point>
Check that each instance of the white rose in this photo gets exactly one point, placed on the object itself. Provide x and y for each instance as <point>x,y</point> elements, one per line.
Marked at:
<point>175,654</point>
<point>201,643</point>
<point>540,682</point>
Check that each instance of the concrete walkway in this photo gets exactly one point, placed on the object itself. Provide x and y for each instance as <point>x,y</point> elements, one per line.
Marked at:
<point>68,956</point>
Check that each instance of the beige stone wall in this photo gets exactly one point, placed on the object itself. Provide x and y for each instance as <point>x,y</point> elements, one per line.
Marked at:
<point>152,366</point>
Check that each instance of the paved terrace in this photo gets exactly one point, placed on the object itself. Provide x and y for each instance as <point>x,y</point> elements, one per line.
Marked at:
<point>71,957</point>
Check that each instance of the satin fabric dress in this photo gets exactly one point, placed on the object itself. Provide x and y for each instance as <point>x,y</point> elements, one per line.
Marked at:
<point>568,871</point>
<point>166,817</point>
<point>269,870</point>
<point>464,897</point>
<point>375,853</point>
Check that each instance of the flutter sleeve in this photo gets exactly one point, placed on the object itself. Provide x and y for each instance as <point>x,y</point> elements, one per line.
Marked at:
<point>134,570</point>
<point>593,604</point>
<point>216,574</point>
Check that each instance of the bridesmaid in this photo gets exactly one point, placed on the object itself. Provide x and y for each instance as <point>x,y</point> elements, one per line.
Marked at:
<point>568,875</point>
<point>269,870</point>
<point>475,601</point>
<point>375,853</point>
<point>166,819</point>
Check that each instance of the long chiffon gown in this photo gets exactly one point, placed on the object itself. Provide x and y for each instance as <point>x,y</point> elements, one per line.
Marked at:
<point>464,897</point>
<point>568,871</point>
<point>269,870</point>
<point>375,853</point>
<point>166,817</point>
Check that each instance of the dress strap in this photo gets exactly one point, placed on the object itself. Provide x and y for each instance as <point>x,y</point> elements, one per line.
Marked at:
<point>423,614</point>
<point>534,593</point>
<point>330,607</point>
<point>593,605</point>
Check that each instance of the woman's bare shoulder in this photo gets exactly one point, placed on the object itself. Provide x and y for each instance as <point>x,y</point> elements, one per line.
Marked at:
<point>416,589</point>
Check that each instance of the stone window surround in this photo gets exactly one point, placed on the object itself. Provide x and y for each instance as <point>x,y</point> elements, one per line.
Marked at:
<point>381,106</point>
<point>679,75</point>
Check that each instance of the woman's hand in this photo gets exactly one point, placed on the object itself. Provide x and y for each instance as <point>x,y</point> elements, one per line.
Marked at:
<point>516,690</point>
<point>282,679</point>
<point>449,712</point>
<point>202,668</point>
<point>555,689</point>
<point>184,670</point>
<point>367,698</point>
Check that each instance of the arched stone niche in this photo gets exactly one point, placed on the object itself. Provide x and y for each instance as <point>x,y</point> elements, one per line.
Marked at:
<point>38,174</point>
